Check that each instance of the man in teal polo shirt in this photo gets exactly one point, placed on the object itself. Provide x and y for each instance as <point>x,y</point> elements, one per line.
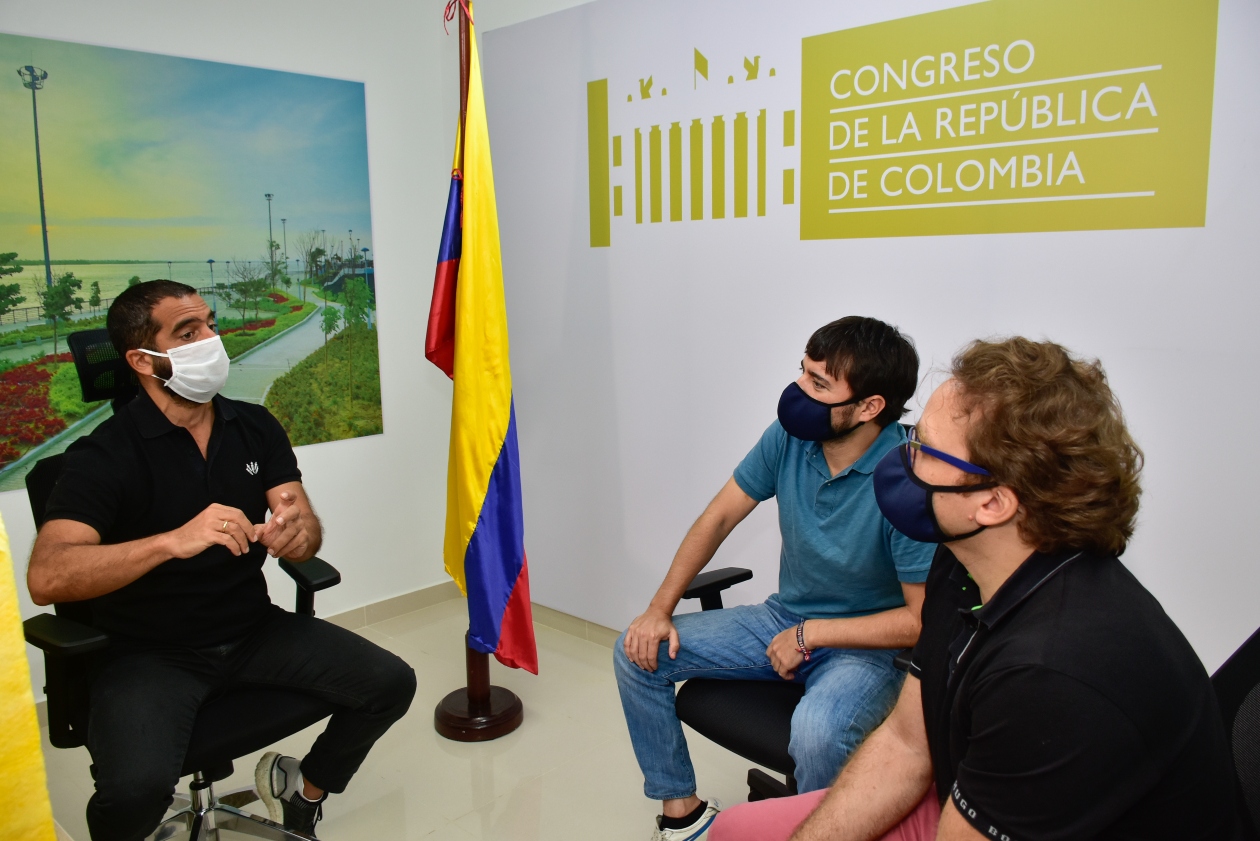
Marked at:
<point>850,585</point>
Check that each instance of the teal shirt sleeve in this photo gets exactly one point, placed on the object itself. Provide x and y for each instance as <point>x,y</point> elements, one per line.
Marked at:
<point>911,558</point>
<point>758,474</point>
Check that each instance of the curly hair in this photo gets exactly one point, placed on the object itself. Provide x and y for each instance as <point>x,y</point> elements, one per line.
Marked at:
<point>1050,428</point>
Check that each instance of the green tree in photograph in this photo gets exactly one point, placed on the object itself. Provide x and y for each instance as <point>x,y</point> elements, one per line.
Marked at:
<point>9,297</point>
<point>57,300</point>
<point>8,263</point>
<point>133,280</point>
<point>358,303</point>
<point>94,300</point>
<point>250,283</point>
<point>234,298</point>
<point>331,320</point>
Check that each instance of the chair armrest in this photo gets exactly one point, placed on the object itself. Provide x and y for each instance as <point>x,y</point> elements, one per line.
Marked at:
<point>311,575</point>
<point>61,637</point>
<point>708,586</point>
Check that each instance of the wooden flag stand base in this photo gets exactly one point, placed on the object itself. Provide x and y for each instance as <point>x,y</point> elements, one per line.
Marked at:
<point>479,712</point>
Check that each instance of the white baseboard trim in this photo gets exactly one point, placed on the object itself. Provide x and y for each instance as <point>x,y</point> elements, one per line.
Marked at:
<point>354,619</point>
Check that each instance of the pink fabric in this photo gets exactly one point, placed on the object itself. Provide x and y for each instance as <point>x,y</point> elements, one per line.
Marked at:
<point>777,819</point>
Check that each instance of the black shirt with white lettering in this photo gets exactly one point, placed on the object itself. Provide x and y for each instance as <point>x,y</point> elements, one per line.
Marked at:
<point>1070,707</point>
<point>138,475</point>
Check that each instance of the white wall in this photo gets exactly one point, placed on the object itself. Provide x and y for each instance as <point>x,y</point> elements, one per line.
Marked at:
<point>382,498</point>
<point>643,372</point>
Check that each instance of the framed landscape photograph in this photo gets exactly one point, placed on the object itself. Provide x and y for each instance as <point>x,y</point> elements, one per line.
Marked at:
<point>249,185</point>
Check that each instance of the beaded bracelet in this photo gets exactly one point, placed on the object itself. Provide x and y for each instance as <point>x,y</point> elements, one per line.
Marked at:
<point>800,640</point>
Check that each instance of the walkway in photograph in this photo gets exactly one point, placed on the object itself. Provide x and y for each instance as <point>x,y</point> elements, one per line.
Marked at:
<point>253,373</point>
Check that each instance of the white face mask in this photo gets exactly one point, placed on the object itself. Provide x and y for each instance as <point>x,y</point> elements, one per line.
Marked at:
<point>198,370</point>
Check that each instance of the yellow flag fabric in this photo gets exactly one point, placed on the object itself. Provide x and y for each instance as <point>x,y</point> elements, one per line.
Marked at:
<point>483,376</point>
<point>25,814</point>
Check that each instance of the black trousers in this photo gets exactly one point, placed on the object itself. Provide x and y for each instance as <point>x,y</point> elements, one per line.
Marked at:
<point>144,700</point>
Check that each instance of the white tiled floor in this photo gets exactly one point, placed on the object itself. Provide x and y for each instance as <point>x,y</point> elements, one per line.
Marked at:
<point>567,773</point>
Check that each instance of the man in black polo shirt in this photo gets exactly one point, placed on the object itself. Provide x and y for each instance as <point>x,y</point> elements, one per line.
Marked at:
<point>1050,696</point>
<point>159,519</point>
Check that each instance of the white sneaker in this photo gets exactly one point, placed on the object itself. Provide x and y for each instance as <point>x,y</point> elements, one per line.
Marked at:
<point>276,778</point>
<point>693,832</point>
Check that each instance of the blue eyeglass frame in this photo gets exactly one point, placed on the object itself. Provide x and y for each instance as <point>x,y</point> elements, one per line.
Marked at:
<point>967,467</point>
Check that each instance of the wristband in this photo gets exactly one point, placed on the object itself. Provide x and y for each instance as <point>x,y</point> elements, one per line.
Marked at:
<point>800,640</point>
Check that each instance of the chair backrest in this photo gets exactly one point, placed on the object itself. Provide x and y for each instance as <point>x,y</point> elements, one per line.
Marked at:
<point>103,372</point>
<point>40,482</point>
<point>1237,686</point>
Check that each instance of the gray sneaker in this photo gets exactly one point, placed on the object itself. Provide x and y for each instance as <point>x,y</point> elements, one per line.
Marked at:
<point>279,783</point>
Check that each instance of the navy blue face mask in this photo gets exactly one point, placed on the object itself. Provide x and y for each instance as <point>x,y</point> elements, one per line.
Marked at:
<point>808,419</point>
<point>906,500</point>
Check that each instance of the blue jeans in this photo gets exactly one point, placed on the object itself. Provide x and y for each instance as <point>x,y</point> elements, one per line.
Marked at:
<point>848,692</point>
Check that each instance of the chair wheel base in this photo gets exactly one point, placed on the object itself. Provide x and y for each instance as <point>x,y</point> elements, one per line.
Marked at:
<point>459,720</point>
<point>762,786</point>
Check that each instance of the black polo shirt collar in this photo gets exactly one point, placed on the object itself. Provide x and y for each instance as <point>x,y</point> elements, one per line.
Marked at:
<point>1026,580</point>
<point>980,619</point>
<point>152,423</point>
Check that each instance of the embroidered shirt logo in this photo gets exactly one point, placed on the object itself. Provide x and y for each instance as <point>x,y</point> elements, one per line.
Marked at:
<point>252,468</point>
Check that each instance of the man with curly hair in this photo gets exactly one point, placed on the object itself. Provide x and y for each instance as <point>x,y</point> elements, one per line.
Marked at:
<point>1050,696</point>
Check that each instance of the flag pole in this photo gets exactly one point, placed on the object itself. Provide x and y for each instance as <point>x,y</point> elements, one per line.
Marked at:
<point>479,712</point>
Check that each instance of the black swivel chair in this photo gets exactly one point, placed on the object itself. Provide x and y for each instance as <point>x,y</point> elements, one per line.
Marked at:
<point>1237,685</point>
<point>752,718</point>
<point>234,724</point>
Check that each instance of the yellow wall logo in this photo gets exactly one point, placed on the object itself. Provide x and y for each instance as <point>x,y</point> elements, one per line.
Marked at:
<point>675,163</point>
<point>1002,116</point>
<point>1010,116</point>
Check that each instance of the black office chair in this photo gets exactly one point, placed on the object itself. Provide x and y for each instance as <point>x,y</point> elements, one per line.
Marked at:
<point>751,718</point>
<point>1237,685</point>
<point>239,722</point>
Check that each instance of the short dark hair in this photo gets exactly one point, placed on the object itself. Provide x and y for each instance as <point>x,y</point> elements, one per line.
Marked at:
<point>873,357</point>
<point>130,319</point>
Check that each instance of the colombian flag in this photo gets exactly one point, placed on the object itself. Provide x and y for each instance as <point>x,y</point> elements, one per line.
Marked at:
<point>468,339</point>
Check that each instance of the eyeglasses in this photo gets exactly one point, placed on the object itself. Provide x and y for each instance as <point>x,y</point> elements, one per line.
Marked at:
<point>914,445</point>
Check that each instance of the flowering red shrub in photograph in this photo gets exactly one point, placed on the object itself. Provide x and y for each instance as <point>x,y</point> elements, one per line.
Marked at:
<point>253,325</point>
<point>26,418</point>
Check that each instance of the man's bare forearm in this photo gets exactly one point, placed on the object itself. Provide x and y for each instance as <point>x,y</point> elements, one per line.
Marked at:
<point>697,549</point>
<point>883,782</point>
<point>895,628</point>
<point>71,572</point>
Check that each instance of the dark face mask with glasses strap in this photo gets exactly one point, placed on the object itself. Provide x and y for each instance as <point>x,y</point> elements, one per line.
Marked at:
<point>906,500</point>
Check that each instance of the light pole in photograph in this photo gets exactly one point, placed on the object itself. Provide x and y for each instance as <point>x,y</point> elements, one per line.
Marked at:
<point>364,249</point>
<point>33,78</point>
<point>169,276</point>
<point>214,303</point>
<point>284,232</point>
<point>271,240</point>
